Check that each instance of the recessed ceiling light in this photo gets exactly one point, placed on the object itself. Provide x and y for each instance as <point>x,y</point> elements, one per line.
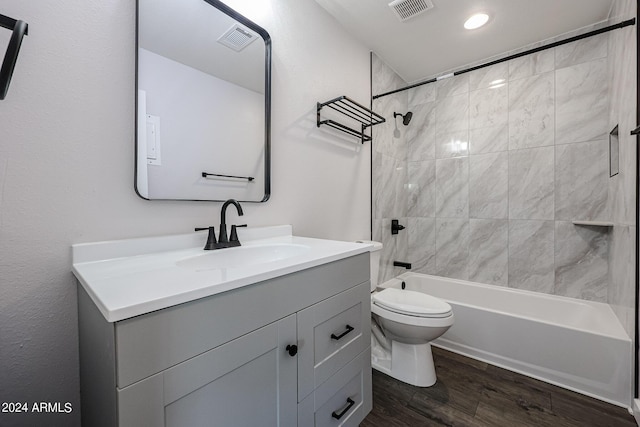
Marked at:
<point>476,21</point>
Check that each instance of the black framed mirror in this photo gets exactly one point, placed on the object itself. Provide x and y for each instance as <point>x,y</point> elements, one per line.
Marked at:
<point>203,103</point>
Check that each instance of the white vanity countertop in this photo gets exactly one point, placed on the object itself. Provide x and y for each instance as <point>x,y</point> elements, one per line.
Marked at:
<point>127,278</point>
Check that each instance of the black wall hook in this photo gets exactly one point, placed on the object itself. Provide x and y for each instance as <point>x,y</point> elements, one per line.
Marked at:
<point>20,29</point>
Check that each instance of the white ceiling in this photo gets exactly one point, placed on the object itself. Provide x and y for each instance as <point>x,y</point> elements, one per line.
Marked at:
<point>436,41</point>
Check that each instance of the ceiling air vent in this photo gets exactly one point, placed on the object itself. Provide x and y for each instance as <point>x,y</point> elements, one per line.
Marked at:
<point>237,38</point>
<point>407,9</point>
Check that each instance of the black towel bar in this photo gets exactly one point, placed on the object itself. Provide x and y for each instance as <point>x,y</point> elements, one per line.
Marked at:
<point>207,175</point>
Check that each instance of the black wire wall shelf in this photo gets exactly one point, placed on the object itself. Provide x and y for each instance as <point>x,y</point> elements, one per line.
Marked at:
<point>19,29</point>
<point>353,110</point>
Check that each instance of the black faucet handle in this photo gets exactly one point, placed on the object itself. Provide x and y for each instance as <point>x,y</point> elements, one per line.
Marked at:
<point>234,232</point>
<point>211,238</point>
<point>396,226</point>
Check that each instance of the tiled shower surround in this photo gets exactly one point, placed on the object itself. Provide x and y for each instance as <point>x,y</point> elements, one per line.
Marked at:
<point>495,165</point>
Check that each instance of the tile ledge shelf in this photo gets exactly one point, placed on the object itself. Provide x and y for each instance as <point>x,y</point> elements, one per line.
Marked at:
<point>594,223</point>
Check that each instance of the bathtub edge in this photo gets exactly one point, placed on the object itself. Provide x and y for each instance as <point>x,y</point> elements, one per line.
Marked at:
<point>535,372</point>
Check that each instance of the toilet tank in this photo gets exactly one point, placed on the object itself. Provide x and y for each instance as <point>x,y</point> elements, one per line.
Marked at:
<point>374,256</point>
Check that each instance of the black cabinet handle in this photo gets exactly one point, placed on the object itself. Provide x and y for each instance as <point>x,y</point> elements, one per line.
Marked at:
<point>350,403</point>
<point>292,349</point>
<point>337,337</point>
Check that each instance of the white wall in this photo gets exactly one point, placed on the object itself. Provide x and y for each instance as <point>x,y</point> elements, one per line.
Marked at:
<point>206,124</point>
<point>67,165</point>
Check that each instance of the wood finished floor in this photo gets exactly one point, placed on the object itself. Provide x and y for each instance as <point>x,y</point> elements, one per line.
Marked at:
<point>473,393</point>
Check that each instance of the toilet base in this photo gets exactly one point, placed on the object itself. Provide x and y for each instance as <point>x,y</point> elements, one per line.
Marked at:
<point>409,363</point>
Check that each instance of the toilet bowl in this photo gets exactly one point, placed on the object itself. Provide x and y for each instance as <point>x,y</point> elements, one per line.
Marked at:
<point>403,323</point>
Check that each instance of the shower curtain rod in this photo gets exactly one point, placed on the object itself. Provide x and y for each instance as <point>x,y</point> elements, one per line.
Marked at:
<point>516,55</point>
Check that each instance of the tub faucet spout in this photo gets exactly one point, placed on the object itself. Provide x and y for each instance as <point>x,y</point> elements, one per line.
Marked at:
<point>406,265</point>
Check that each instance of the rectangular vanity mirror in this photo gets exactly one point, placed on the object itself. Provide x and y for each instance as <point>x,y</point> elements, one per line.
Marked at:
<point>203,82</point>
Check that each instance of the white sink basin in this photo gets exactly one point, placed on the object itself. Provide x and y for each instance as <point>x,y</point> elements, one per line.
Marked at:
<point>242,256</point>
<point>128,278</point>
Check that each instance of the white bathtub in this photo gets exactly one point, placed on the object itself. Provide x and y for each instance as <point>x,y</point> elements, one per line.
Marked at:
<point>576,344</point>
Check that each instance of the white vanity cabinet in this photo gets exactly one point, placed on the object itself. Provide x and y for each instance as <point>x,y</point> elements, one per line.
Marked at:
<point>228,360</point>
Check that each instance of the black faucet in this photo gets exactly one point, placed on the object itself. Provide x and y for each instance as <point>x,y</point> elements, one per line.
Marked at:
<point>223,241</point>
<point>402,264</point>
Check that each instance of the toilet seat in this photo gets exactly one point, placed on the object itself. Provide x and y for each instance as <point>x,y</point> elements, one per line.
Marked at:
<point>411,303</point>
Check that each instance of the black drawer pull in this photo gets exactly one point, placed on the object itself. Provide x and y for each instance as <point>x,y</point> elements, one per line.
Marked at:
<point>350,403</point>
<point>337,337</point>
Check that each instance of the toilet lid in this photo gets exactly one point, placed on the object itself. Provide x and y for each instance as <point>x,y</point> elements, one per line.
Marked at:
<point>411,303</point>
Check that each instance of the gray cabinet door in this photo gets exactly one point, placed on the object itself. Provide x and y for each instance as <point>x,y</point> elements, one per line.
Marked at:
<point>250,381</point>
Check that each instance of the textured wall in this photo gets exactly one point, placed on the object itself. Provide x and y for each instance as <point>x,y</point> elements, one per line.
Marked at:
<point>498,163</point>
<point>67,159</point>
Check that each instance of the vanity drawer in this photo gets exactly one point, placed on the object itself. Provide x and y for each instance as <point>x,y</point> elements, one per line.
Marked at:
<point>344,399</point>
<point>330,334</point>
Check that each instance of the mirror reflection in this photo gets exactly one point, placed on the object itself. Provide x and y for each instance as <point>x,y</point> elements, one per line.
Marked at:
<point>203,97</point>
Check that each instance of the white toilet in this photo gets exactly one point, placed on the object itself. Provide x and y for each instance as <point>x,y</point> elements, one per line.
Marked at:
<point>402,326</point>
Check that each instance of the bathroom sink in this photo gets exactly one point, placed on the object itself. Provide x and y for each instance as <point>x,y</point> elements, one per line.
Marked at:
<point>128,278</point>
<point>242,256</point>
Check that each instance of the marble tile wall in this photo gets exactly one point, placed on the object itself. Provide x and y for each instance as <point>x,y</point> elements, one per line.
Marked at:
<point>621,70</point>
<point>498,163</point>
<point>392,197</point>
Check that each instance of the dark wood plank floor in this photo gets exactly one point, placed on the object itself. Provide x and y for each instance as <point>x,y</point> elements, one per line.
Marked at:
<point>473,393</point>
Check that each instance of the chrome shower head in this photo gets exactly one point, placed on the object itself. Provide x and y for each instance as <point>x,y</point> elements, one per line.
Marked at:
<point>406,118</point>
